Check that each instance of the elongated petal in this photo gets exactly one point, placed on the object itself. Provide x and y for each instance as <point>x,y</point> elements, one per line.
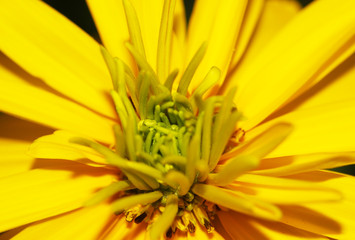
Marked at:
<point>289,165</point>
<point>254,11</point>
<point>50,47</point>
<point>335,87</point>
<point>149,16</point>
<point>261,144</point>
<point>13,157</point>
<point>111,23</point>
<point>178,52</point>
<point>275,14</point>
<point>219,24</point>
<point>234,168</point>
<point>342,182</point>
<point>42,193</point>
<point>22,94</point>
<point>231,200</point>
<point>15,138</point>
<point>284,191</point>
<point>74,225</point>
<point>58,146</point>
<point>315,36</point>
<point>333,219</point>
<point>243,227</point>
<point>201,233</point>
<point>121,229</point>
<point>325,129</point>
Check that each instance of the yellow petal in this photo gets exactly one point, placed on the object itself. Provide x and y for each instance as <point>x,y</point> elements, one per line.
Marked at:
<point>52,48</point>
<point>15,138</point>
<point>243,227</point>
<point>121,229</point>
<point>42,193</point>
<point>13,157</point>
<point>289,165</point>
<point>149,16</point>
<point>178,51</point>
<point>254,11</point>
<point>325,129</point>
<point>201,234</point>
<point>275,14</point>
<point>335,87</point>
<point>284,191</point>
<point>315,36</point>
<point>261,144</point>
<point>237,201</point>
<point>110,20</point>
<point>219,24</point>
<point>24,96</point>
<point>333,219</point>
<point>83,224</point>
<point>58,146</point>
<point>233,168</point>
<point>342,182</point>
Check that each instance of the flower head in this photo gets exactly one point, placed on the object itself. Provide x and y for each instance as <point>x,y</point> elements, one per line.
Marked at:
<point>159,134</point>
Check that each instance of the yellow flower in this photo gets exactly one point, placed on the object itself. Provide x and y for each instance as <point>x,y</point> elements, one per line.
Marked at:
<point>218,131</point>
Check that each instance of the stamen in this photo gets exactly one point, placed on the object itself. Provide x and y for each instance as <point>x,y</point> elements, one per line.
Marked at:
<point>123,164</point>
<point>134,27</point>
<point>120,108</point>
<point>180,225</point>
<point>143,94</point>
<point>130,132</point>
<point>169,233</point>
<point>140,59</point>
<point>120,143</point>
<point>111,66</point>
<point>189,221</point>
<point>107,192</point>
<point>178,181</point>
<point>194,152</point>
<point>136,181</point>
<point>152,182</point>
<point>170,79</point>
<point>179,161</point>
<point>132,213</point>
<point>166,219</point>
<point>191,69</point>
<point>202,218</point>
<point>218,196</point>
<point>140,218</point>
<point>127,202</point>
<point>211,79</point>
<point>226,120</point>
<point>234,168</point>
<point>165,38</point>
<point>265,142</point>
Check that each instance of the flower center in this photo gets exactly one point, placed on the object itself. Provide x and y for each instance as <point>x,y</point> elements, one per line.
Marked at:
<point>168,142</point>
<point>167,130</point>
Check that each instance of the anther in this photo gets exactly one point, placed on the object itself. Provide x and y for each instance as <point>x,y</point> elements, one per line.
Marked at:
<point>140,218</point>
<point>191,227</point>
<point>208,226</point>
<point>169,233</point>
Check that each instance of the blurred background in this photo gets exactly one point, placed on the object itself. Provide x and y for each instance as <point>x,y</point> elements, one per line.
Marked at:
<point>78,12</point>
